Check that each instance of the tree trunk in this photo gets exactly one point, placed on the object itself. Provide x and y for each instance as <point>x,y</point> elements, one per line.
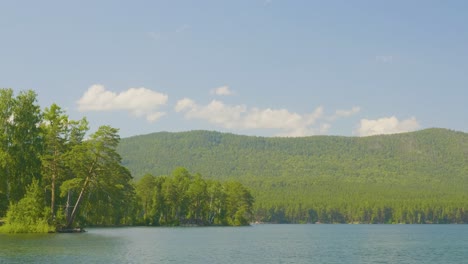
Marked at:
<point>52,186</point>
<point>67,208</point>
<point>52,198</point>
<point>77,204</point>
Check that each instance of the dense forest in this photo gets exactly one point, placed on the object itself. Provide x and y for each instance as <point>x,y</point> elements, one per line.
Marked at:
<point>51,177</point>
<point>188,199</point>
<point>417,177</point>
<point>55,176</point>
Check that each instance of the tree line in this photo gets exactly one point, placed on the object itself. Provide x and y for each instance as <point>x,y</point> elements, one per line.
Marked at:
<point>185,199</point>
<point>338,202</point>
<point>55,176</point>
<point>418,177</point>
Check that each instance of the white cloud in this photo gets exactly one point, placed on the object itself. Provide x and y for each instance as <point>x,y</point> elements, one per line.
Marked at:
<point>215,112</point>
<point>347,113</point>
<point>139,101</point>
<point>386,125</point>
<point>242,117</point>
<point>223,90</point>
<point>152,117</point>
<point>184,104</point>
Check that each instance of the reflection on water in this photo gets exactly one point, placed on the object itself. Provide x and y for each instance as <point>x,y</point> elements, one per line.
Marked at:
<point>256,244</point>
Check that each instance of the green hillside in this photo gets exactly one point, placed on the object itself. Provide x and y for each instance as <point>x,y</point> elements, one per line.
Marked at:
<point>376,179</point>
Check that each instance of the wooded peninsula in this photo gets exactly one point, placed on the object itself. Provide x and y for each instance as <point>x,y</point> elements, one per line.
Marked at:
<point>55,176</point>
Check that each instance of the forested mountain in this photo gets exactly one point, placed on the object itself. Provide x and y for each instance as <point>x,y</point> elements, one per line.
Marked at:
<point>411,177</point>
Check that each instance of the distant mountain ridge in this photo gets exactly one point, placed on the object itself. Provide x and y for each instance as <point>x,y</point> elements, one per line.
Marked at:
<point>436,152</point>
<point>416,177</point>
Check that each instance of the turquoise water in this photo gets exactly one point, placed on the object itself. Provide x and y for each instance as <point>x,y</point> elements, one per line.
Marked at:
<point>256,244</point>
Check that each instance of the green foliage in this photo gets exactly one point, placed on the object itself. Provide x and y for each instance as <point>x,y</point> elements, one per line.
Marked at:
<point>185,199</point>
<point>101,184</point>
<point>48,149</point>
<point>29,215</point>
<point>20,142</point>
<point>239,204</point>
<point>55,133</point>
<point>6,103</point>
<point>71,184</point>
<point>418,177</point>
<point>145,190</point>
<point>25,143</point>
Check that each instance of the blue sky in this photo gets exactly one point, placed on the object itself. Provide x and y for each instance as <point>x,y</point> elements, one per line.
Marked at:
<point>254,67</point>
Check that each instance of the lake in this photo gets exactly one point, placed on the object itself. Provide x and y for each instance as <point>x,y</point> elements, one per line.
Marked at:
<point>255,244</point>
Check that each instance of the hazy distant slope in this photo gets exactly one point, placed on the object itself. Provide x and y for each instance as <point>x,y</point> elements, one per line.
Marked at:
<point>427,155</point>
<point>418,177</point>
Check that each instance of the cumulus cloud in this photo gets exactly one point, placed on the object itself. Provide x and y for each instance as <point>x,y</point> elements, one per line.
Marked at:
<point>242,117</point>
<point>345,113</point>
<point>139,101</point>
<point>386,125</point>
<point>215,112</point>
<point>184,104</point>
<point>223,90</point>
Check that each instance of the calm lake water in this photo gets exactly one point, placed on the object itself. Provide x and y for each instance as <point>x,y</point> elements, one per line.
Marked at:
<point>254,244</point>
